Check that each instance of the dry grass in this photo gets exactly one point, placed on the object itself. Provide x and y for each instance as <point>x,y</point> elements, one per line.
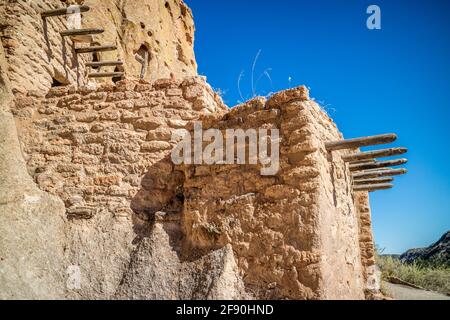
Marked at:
<point>428,275</point>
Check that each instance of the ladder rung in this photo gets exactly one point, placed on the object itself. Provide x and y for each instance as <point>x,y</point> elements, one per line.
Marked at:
<point>105,74</point>
<point>63,11</point>
<point>103,63</point>
<point>81,32</point>
<point>95,49</point>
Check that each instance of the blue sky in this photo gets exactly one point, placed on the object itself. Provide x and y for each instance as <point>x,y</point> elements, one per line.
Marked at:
<point>396,79</point>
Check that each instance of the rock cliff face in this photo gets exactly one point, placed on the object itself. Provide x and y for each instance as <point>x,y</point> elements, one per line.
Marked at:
<point>92,206</point>
<point>438,252</point>
<point>32,222</point>
<point>163,28</point>
<point>38,57</point>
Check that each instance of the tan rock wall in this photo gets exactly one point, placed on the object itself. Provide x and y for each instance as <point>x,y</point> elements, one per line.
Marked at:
<point>37,54</point>
<point>104,151</point>
<point>136,225</point>
<point>32,222</point>
<point>295,234</point>
<point>35,51</point>
<point>164,27</point>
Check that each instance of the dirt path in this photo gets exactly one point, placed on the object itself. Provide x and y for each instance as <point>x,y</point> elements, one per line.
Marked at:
<point>402,292</point>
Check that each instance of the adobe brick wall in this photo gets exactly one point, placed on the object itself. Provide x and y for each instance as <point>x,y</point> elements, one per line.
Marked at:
<point>366,243</point>
<point>93,146</point>
<point>104,151</point>
<point>295,235</point>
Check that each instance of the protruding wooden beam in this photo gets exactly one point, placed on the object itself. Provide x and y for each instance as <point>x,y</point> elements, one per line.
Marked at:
<point>104,63</point>
<point>377,164</point>
<point>373,187</point>
<point>363,161</point>
<point>374,154</point>
<point>361,142</point>
<point>63,11</point>
<point>378,173</point>
<point>105,74</point>
<point>95,49</point>
<point>373,181</point>
<point>81,32</point>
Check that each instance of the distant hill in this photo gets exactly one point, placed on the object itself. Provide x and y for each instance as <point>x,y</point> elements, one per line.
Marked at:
<point>438,252</point>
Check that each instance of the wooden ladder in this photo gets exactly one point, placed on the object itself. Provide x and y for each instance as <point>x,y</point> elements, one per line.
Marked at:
<point>85,35</point>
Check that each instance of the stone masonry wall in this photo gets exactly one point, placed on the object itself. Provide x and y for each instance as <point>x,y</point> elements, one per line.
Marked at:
<point>164,28</point>
<point>94,147</point>
<point>366,243</point>
<point>294,234</point>
<point>103,151</point>
<point>341,266</point>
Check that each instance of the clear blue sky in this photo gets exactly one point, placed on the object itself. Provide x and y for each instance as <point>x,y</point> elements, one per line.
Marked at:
<point>396,79</point>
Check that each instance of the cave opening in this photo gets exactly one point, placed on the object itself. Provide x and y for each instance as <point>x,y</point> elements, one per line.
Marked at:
<point>118,69</point>
<point>142,55</point>
<point>95,58</point>
<point>56,83</point>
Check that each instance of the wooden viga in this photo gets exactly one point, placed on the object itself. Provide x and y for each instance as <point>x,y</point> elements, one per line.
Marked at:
<point>367,172</point>
<point>85,36</point>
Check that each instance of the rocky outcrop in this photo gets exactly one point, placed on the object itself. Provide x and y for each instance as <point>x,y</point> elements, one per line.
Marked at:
<point>163,28</point>
<point>32,222</point>
<point>158,270</point>
<point>38,57</point>
<point>438,252</point>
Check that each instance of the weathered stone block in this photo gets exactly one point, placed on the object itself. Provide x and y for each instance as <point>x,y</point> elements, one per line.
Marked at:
<point>107,180</point>
<point>86,117</point>
<point>148,123</point>
<point>153,146</point>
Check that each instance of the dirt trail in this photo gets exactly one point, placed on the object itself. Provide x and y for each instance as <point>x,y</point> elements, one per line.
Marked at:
<point>402,292</point>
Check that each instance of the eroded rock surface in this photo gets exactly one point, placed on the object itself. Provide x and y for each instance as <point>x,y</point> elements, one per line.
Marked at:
<point>32,222</point>
<point>39,57</point>
<point>158,270</point>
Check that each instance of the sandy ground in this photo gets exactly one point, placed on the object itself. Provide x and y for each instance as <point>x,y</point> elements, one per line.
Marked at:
<point>402,292</point>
